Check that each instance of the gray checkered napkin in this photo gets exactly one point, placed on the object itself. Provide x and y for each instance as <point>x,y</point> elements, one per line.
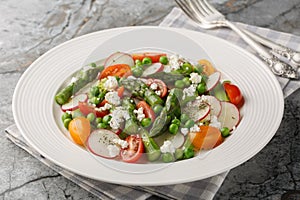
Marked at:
<point>203,189</point>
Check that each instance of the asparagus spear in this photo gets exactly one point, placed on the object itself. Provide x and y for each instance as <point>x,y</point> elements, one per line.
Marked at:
<point>82,78</point>
<point>152,149</point>
<point>131,125</point>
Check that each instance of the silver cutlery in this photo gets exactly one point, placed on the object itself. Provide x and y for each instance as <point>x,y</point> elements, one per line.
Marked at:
<point>208,17</point>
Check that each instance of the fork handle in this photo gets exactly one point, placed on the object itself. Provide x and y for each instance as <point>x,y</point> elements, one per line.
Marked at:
<point>278,68</point>
<point>288,53</point>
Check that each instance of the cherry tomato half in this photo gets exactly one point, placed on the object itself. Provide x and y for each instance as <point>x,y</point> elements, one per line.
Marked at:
<point>233,92</point>
<point>85,109</point>
<point>149,113</point>
<point>153,56</point>
<point>134,150</point>
<point>161,85</point>
<point>116,70</point>
<point>80,129</point>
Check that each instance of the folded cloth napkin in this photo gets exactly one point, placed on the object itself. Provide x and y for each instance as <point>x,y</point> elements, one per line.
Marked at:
<point>202,189</point>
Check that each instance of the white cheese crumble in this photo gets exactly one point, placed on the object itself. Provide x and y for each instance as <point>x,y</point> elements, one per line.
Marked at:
<point>167,147</point>
<point>120,142</point>
<point>184,131</point>
<point>111,83</point>
<point>113,150</point>
<point>106,106</point>
<point>74,79</point>
<point>139,113</point>
<point>153,86</point>
<point>190,91</point>
<point>158,92</point>
<point>118,115</point>
<point>195,128</point>
<point>195,78</point>
<point>214,122</point>
<point>113,98</point>
<point>174,62</point>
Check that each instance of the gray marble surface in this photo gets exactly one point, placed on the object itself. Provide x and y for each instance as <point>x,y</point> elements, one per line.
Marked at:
<point>29,28</point>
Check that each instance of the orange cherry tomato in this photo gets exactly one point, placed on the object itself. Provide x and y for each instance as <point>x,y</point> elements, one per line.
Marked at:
<point>207,138</point>
<point>119,70</point>
<point>233,92</point>
<point>208,68</point>
<point>80,130</point>
<point>149,113</point>
<point>152,55</point>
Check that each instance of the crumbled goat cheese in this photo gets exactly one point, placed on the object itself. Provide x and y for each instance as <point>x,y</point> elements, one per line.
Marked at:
<point>190,91</point>
<point>120,142</point>
<point>167,147</point>
<point>139,113</point>
<point>74,79</point>
<point>106,106</point>
<point>113,98</point>
<point>174,62</point>
<point>214,122</point>
<point>118,115</point>
<point>184,131</point>
<point>158,92</point>
<point>153,86</point>
<point>111,83</point>
<point>195,128</point>
<point>195,78</point>
<point>113,150</point>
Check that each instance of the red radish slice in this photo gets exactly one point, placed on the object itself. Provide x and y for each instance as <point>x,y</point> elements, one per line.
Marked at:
<point>177,140</point>
<point>152,69</point>
<point>215,104</point>
<point>229,116</point>
<point>213,80</point>
<point>74,102</point>
<point>99,140</point>
<point>119,58</point>
<point>197,110</point>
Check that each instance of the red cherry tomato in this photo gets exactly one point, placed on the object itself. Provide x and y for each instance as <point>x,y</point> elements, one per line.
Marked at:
<point>134,150</point>
<point>161,86</point>
<point>116,70</point>
<point>233,92</point>
<point>153,56</point>
<point>85,109</point>
<point>149,113</point>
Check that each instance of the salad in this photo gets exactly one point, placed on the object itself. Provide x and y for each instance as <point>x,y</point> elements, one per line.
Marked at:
<point>146,107</point>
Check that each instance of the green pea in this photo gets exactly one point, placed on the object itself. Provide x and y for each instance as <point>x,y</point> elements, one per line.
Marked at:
<point>98,120</point>
<point>163,60</point>
<point>225,132</point>
<point>67,122</point>
<point>184,118</point>
<point>137,71</point>
<point>189,123</point>
<point>188,152</point>
<point>76,113</point>
<point>138,63</point>
<point>167,157</point>
<point>101,125</point>
<point>178,154</point>
<point>106,119</point>
<point>66,116</point>
<point>179,84</point>
<point>91,117</point>
<point>146,122</point>
<point>173,129</point>
<point>176,121</point>
<point>93,65</point>
<point>95,100</point>
<point>157,108</point>
<point>147,61</point>
<point>201,88</point>
<point>94,91</point>
<point>187,68</point>
<point>186,81</point>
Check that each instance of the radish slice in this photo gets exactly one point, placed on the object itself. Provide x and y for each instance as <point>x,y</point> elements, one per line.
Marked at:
<point>100,140</point>
<point>213,80</point>
<point>74,102</point>
<point>197,110</point>
<point>215,104</point>
<point>152,69</point>
<point>229,116</point>
<point>177,140</point>
<point>119,58</point>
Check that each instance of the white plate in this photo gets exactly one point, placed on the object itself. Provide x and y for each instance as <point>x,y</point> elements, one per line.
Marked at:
<point>34,107</point>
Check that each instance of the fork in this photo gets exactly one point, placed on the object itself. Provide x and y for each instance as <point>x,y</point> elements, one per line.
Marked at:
<point>208,17</point>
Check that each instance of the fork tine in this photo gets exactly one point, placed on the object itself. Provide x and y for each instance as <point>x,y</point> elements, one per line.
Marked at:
<point>208,5</point>
<point>197,8</point>
<point>186,9</point>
